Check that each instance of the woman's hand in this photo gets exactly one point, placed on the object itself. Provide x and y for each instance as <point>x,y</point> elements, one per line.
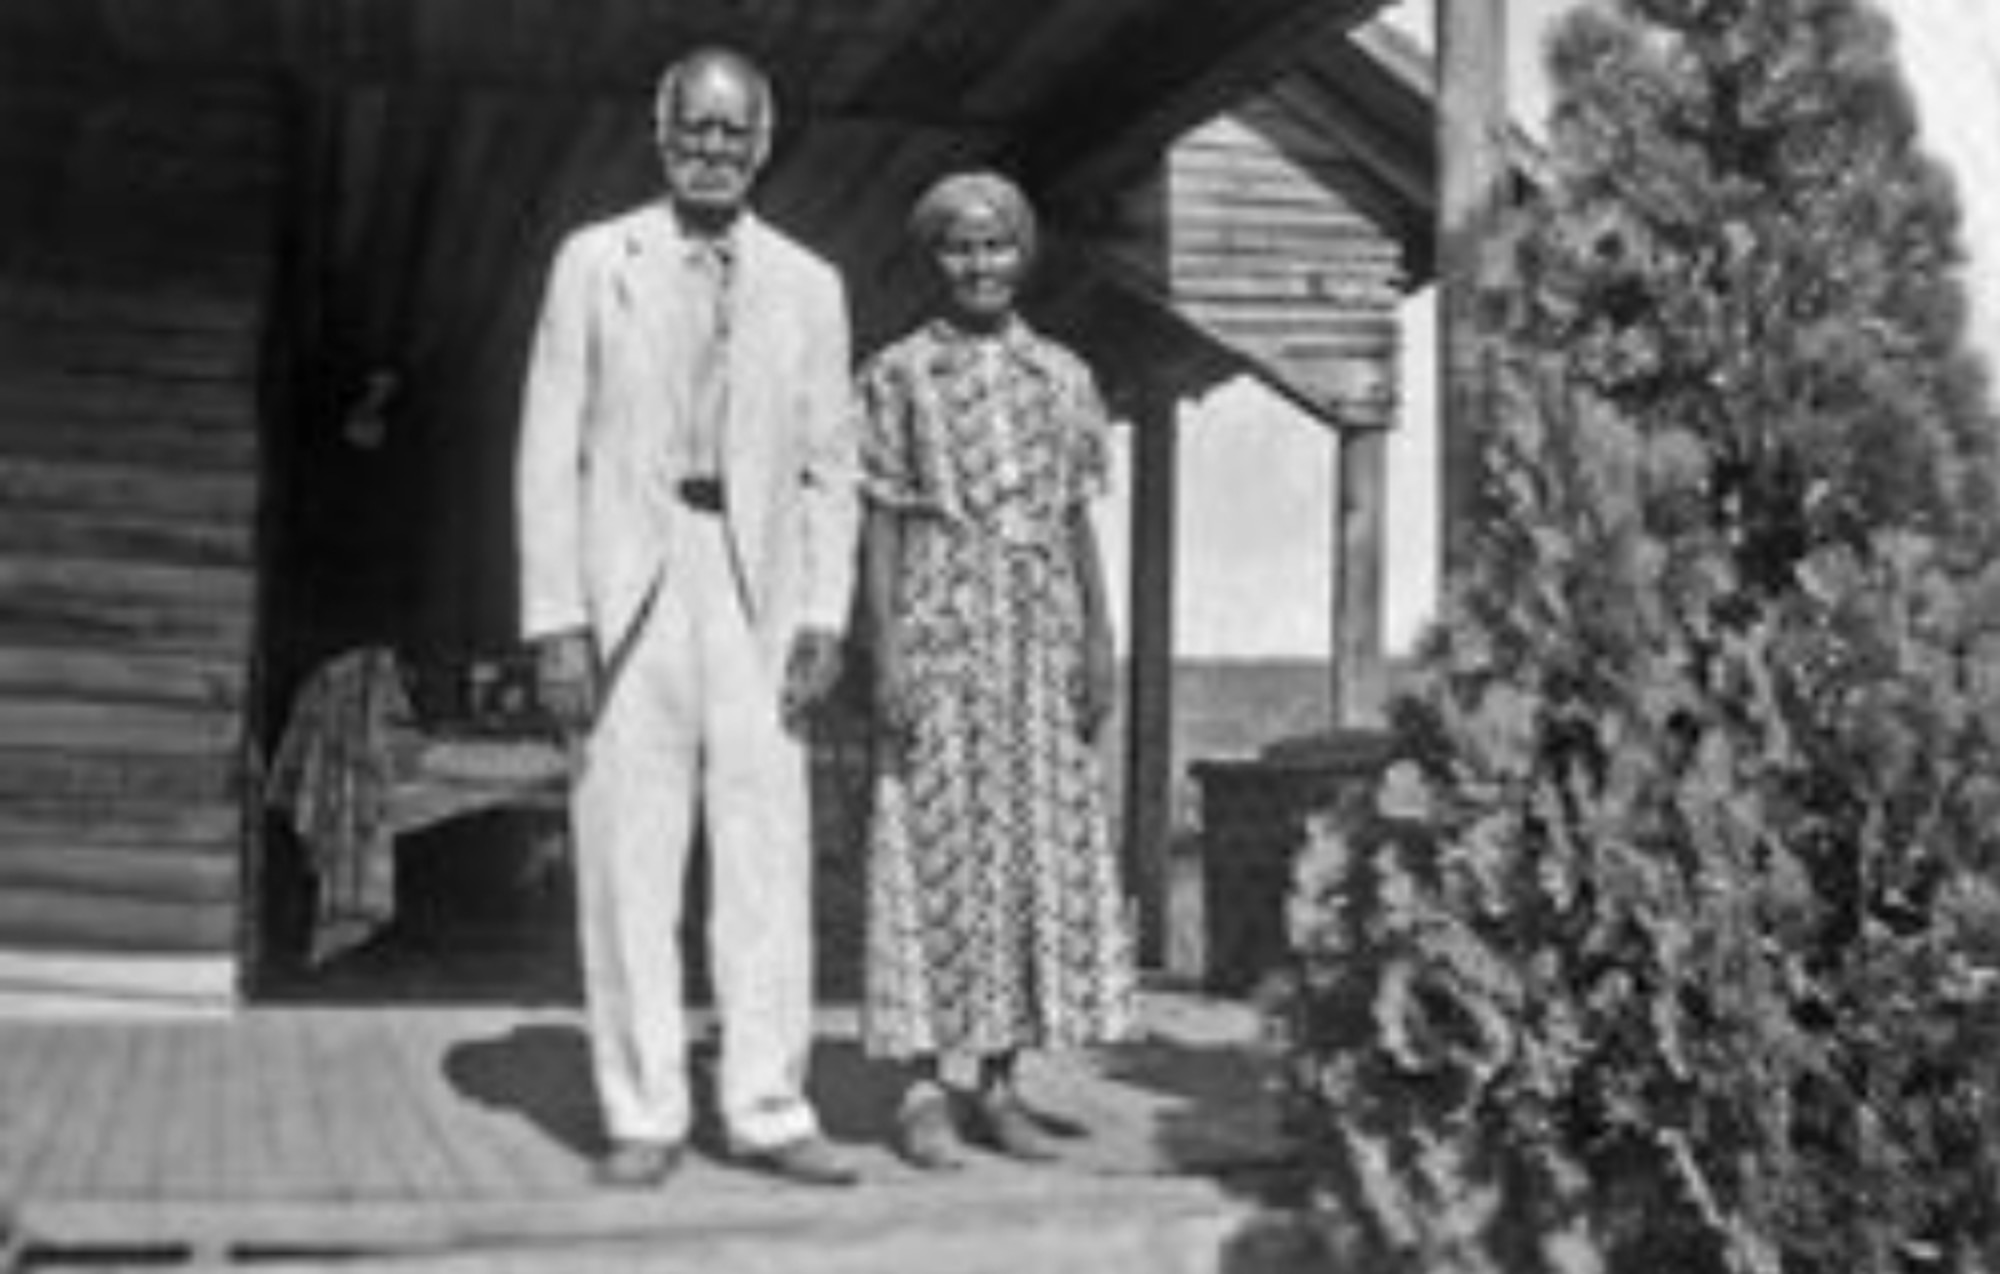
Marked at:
<point>1099,691</point>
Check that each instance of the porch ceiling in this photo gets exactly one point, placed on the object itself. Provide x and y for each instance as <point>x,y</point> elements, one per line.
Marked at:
<point>1071,89</point>
<point>464,131</point>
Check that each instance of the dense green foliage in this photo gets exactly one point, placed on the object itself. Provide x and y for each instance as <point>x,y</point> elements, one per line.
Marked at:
<point>1674,943</point>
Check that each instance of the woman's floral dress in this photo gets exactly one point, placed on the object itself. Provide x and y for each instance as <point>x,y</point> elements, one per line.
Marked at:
<point>996,917</point>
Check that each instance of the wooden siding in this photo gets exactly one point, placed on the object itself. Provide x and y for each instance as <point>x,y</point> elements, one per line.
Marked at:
<point>130,305</point>
<point>1272,253</point>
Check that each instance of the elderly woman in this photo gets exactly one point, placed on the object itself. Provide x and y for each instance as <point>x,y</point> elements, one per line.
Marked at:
<point>996,919</point>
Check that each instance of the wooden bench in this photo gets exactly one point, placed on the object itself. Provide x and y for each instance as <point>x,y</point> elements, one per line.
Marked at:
<point>355,769</point>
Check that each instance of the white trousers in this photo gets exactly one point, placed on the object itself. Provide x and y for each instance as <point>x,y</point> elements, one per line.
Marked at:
<point>692,719</point>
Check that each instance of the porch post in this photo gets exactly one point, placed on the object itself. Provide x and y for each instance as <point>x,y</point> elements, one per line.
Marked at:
<point>1360,515</point>
<point>1149,758</point>
<point>1472,183</point>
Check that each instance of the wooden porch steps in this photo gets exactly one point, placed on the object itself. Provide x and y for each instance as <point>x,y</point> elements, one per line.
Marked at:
<point>1056,1224</point>
<point>131,306</point>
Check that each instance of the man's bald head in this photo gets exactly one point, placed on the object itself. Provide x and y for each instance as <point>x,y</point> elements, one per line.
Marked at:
<point>712,116</point>
<point>714,67</point>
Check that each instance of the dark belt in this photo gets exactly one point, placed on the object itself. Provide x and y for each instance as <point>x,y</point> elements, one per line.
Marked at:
<point>703,495</point>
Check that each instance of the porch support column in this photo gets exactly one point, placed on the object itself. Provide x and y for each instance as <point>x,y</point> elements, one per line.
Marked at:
<point>1149,758</point>
<point>1472,185</point>
<point>1360,517</point>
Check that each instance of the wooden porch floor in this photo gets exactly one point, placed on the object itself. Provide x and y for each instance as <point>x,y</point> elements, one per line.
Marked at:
<point>407,1129</point>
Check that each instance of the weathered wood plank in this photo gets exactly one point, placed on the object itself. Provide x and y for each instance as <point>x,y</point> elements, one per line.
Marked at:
<point>67,725</point>
<point>1273,226</point>
<point>125,828</point>
<point>46,616</point>
<point>43,1088</point>
<point>43,397</point>
<point>1281,323</point>
<point>132,438</point>
<point>183,679</point>
<point>203,875</point>
<point>481,1161</point>
<point>197,357</point>
<point>335,1054</point>
<point>204,1168</point>
<point>253,1152</point>
<point>227,124</point>
<point>222,497</point>
<point>83,985</point>
<point>103,1063</point>
<point>125,1164</point>
<point>403,1134</point>
<point>1273,341</point>
<point>45,919</point>
<point>34,780</point>
<point>1302,237</point>
<point>172,1164</point>
<point>17,1062</point>
<point>1253,186</point>
<point>186,311</point>
<point>1307,294</point>
<point>246,1149</point>
<point>303,1168</point>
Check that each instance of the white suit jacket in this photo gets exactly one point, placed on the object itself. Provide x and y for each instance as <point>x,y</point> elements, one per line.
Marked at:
<point>600,399</point>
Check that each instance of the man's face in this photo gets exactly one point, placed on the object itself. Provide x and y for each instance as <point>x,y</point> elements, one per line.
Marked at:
<point>712,142</point>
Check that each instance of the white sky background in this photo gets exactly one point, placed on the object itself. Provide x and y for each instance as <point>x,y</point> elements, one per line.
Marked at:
<point>1257,507</point>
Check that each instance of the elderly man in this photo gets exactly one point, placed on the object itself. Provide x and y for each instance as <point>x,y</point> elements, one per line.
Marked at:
<point>687,524</point>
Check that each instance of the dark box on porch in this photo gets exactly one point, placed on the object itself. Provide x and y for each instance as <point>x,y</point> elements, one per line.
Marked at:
<point>1252,820</point>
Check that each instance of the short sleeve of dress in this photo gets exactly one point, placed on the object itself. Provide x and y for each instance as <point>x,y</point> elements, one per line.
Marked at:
<point>888,475</point>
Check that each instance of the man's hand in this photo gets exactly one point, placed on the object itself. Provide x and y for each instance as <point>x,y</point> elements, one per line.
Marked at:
<point>566,679</point>
<point>895,697</point>
<point>810,671</point>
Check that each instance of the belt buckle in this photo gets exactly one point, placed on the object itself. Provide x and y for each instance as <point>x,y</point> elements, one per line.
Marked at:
<point>703,494</point>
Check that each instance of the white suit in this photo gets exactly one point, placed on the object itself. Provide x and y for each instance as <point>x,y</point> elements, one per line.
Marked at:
<point>699,610</point>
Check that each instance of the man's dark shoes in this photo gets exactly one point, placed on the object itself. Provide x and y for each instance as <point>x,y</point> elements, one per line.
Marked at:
<point>809,1160</point>
<point>925,1135</point>
<point>639,1165</point>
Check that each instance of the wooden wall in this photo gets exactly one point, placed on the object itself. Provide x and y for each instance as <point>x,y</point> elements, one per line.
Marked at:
<point>1273,252</point>
<point>134,238</point>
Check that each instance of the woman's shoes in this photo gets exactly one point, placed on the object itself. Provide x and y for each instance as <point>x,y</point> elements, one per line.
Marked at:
<point>1008,1126</point>
<point>926,1138</point>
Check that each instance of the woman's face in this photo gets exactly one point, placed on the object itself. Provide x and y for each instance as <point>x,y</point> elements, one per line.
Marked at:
<point>982,263</point>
